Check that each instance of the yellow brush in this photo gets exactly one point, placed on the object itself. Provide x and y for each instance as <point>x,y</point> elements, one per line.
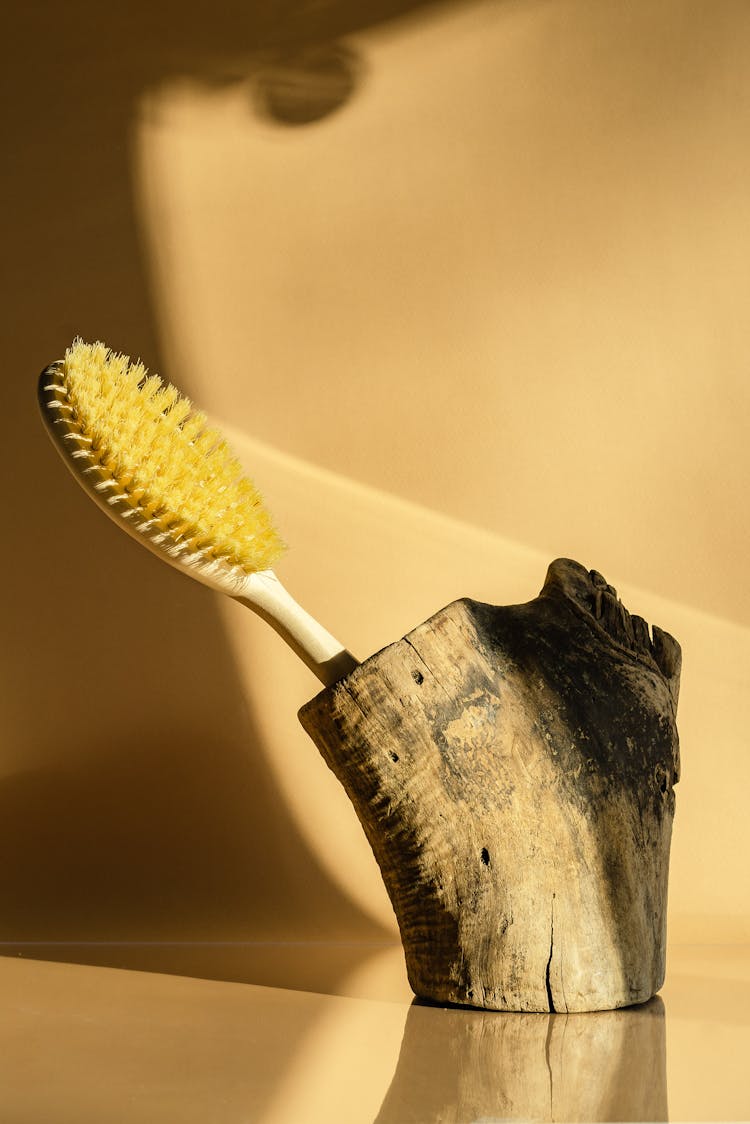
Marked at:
<point>156,467</point>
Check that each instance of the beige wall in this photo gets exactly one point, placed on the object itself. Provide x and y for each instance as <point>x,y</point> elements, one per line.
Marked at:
<point>489,312</point>
<point>508,281</point>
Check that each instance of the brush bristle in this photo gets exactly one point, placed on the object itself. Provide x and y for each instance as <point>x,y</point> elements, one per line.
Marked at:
<point>167,460</point>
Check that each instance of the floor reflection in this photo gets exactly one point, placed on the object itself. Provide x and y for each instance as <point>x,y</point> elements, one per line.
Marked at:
<point>485,1066</point>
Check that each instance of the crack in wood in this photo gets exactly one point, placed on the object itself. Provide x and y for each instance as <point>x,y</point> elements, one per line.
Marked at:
<point>547,982</point>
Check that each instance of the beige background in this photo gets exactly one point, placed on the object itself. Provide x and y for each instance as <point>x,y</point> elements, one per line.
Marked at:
<point>490,311</point>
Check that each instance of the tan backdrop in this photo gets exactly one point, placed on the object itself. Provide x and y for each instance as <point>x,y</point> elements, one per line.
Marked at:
<point>487,308</point>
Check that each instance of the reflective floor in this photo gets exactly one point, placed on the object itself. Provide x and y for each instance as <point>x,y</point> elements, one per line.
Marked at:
<point>82,1043</point>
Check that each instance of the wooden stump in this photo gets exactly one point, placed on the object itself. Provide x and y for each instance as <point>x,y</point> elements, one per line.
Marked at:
<point>513,769</point>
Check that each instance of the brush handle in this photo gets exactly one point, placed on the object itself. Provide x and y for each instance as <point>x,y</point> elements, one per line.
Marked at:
<point>324,655</point>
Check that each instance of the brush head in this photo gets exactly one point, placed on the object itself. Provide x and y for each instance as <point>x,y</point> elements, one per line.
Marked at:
<point>156,466</point>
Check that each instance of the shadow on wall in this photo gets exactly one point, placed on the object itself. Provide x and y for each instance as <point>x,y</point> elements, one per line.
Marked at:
<point>134,799</point>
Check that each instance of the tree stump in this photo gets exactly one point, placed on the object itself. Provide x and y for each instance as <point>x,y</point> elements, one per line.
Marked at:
<point>513,769</point>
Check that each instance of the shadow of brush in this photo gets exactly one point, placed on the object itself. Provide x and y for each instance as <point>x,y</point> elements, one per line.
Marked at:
<point>129,808</point>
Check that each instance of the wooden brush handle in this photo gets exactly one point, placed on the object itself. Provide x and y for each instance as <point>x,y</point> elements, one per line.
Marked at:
<point>324,655</point>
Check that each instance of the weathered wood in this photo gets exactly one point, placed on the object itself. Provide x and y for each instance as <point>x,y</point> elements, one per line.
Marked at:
<point>513,769</point>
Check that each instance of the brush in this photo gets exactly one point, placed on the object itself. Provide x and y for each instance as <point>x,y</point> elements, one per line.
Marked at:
<point>157,467</point>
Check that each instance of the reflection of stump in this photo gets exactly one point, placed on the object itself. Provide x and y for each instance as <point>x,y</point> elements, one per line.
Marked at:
<point>470,1065</point>
<point>513,771</point>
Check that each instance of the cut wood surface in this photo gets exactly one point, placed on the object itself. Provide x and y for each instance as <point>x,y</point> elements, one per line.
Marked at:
<point>513,769</point>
